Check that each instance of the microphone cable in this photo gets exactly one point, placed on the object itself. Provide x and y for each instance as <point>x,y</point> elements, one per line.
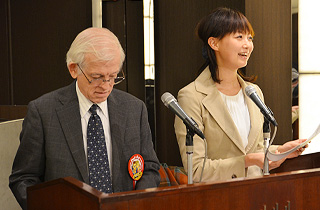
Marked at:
<point>270,143</point>
<point>205,158</point>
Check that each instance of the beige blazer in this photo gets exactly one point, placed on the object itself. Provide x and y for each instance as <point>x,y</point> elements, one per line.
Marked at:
<point>202,101</point>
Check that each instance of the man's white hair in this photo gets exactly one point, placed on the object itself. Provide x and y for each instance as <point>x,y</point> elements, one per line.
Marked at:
<point>100,42</point>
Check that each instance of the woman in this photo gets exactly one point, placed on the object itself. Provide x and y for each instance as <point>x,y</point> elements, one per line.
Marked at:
<point>231,122</point>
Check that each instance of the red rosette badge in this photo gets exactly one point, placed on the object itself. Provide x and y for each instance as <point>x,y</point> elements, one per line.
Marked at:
<point>136,167</point>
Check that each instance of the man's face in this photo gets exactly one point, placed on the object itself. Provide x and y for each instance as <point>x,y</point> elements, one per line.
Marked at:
<point>97,70</point>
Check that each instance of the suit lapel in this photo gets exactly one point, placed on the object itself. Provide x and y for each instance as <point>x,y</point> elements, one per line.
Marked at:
<point>216,107</point>
<point>117,126</point>
<point>70,120</point>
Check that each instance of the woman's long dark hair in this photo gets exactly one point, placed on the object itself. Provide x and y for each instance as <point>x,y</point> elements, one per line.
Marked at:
<point>220,22</point>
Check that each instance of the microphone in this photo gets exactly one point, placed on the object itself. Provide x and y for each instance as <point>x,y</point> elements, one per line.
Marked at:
<point>170,102</point>
<point>251,93</point>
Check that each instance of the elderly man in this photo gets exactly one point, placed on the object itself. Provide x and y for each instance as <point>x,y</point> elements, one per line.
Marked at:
<point>87,130</point>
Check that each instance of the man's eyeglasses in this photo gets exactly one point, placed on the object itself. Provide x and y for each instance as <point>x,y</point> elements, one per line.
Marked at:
<point>99,81</point>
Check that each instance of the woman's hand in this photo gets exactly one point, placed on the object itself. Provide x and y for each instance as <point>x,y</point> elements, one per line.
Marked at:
<point>258,160</point>
<point>291,144</point>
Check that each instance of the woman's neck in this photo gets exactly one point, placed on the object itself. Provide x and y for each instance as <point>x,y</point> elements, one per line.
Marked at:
<point>229,84</point>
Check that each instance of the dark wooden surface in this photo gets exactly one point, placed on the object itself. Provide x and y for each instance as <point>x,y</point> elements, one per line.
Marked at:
<point>298,189</point>
<point>5,62</point>
<point>40,37</point>
<point>271,59</point>
<point>302,162</point>
<point>8,112</point>
<point>36,37</point>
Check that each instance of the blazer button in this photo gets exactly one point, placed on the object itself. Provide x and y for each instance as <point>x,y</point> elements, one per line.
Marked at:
<point>233,176</point>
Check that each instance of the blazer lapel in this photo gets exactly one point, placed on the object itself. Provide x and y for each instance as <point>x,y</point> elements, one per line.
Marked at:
<point>217,108</point>
<point>70,120</point>
<point>117,124</point>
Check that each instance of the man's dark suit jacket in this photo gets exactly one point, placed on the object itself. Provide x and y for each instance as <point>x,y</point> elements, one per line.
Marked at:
<point>51,142</point>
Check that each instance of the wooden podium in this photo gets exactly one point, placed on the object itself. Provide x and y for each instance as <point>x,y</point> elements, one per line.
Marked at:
<point>297,190</point>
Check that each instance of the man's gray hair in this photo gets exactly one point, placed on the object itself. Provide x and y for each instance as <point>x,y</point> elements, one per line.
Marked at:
<point>100,42</point>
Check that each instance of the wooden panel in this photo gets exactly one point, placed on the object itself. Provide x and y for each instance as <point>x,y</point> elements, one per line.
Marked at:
<point>128,27</point>
<point>115,22</point>
<point>5,67</point>
<point>42,32</point>
<point>177,58</point>
<point>67,194</point>
<point>298,189</point>
<point>41,37</point>
<point>12,112</point>
<point>308,161</point>
<point>135,48</point>
<point>271,58</point>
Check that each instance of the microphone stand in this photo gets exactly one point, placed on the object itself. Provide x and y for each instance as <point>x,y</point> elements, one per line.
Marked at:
<point>266,137</point>
<point>189,151</point>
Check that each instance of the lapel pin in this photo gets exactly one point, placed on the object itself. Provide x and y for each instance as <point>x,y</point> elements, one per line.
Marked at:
<point>135,168</point>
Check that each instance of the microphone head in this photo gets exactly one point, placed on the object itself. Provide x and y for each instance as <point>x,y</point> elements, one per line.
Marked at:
<point>249,90</point>
<point>167,98</point>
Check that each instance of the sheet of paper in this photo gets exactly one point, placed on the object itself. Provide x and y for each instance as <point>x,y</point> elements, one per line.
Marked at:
<point>276,157</point>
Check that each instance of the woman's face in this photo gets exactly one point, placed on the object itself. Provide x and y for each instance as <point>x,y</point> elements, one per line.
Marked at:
<point>233,50</point>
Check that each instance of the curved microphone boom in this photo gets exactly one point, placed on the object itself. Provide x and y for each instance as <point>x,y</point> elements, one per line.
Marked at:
<point>251,93</point>
<point>170,102</point>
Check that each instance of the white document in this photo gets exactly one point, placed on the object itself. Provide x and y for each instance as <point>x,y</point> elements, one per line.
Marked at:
<point>276,157</point>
